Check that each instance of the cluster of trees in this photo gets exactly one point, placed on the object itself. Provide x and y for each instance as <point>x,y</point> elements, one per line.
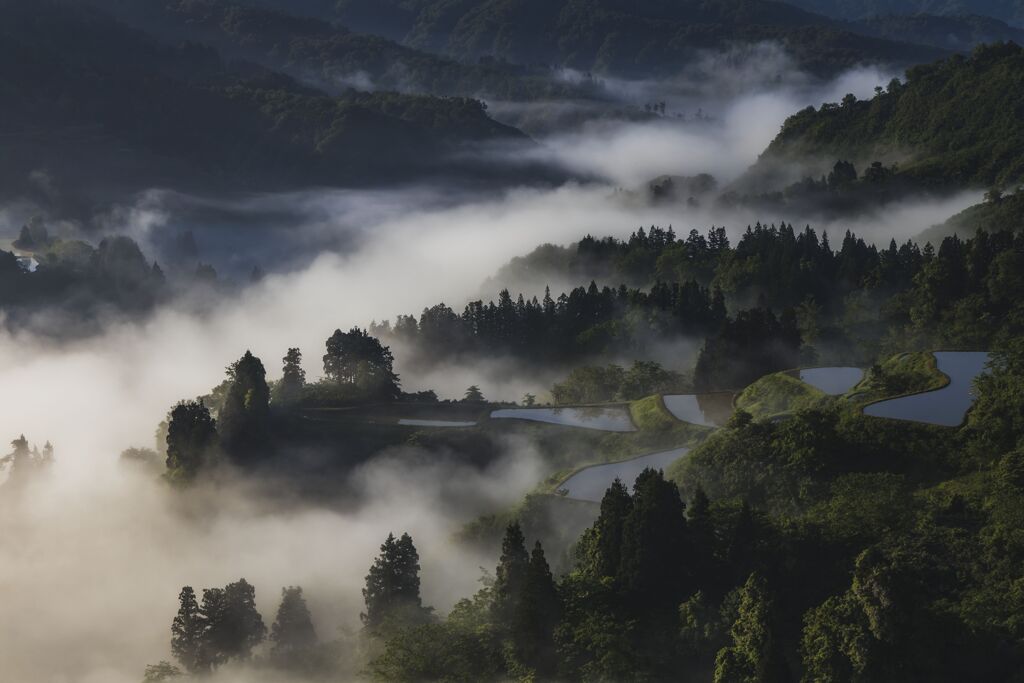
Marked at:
<point>23,463</point>
<point>311,46</point>
<point>950,114</point>
<point>635,39</point>
<point>600,384</point>
<point>225,626</point>
<point>77,282</point>
<point>826,547</point>
<point>795,300</point>
<point>193,119</point>
<point>238,418</point>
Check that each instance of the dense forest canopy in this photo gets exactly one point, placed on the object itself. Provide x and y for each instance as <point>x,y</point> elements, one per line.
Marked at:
<point>953,123</point>
<point>83,91</point>
<point>761,452</point>
<point>626,38</point>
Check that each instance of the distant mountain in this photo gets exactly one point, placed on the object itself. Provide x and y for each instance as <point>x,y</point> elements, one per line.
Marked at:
<point>640,38</point>
<point>93,104</point>
<point>1007,10</point>
<point>957,33</point>
<point>329,55</point>
<point>955,123</point>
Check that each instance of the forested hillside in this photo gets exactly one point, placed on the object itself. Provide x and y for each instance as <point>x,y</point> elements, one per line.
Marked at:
<point>83,93</point>
<point>628,38</point>
<point>1007,10</point>
<point>329,55</point>
<point>956,122</point>
<point>959,33</point>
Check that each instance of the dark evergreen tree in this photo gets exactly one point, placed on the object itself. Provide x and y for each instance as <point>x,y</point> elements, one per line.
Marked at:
<point>537,616</point>
<point>244,419</point>
<point>292,632</point>
<point>510,576</point>
<point>357,360</point>
<point>191,439</point>
<point>474,395</point>
<point>232,625</point>
<point>615,508</point>
<point>392,593</point>
<point>288,391</point>
<point>188,631</point>
<point>655,543</point>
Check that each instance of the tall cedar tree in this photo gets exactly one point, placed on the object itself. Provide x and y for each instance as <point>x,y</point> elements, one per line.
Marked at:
<point>233,626</point>
<point>244,418</point>
<point>655,546</point>
<point>537,616</point>
<point>191,439</point>
<point>187,631</point>
<point>510,576</point>
<point>288,391</point>
<point>615,507</point>
<point>392,592</point>
<point>292,632</point>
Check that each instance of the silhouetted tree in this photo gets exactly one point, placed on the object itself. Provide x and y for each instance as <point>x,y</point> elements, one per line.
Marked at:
<point>392,593</point>
<point>510,576</point>
<point>232,625</point>
<point>293,380</point>
<point>474,395</point>
<point>191,439</point>
<point>187,632</point>
<point>356,359</point>
<point>292,632</point>
<point>243,420</point>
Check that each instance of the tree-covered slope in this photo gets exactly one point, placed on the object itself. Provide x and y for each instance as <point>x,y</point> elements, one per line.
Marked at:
<point>1007,10</point>
<point>95,103</point>
<point>614,36</point>
<point>955,122</point>
<point>958,33</point>
<point>327,54</point>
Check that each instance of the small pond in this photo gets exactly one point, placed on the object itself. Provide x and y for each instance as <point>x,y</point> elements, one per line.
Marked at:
<point>832,381</point>
<point>435,423</point>
<point>604,419</point>
<point>707,410</point>
<point>946,407</point>
<point>591,483</point>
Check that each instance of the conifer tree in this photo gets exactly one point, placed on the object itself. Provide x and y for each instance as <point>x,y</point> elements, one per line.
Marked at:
<point>244,418</point>
<point>392,593</point>
<point>191,439</point>
<point>537,616</point>
<point>292,631</point>
<point>654,564</point>
<point>187,631</point>
<point>510,576</point>
<point>293,380</point>
<point>615,507</point>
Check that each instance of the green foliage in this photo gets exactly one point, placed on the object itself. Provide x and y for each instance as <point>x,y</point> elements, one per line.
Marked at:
<point>650,414</point>
<point>359,361</point>
<point>191,440</point>
<point>164,671</point>
<point>225,627</point>
<point>392,592</point>
<point>951,118</point>
<point>777,393</point>
<point>243,418</point>
<point>288,391</point>
<point>292,633</point>
<point>753,656</point>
